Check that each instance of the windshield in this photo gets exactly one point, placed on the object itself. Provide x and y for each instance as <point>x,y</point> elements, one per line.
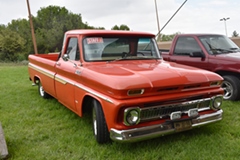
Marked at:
<point>119,48</point>
<point>217,44</point>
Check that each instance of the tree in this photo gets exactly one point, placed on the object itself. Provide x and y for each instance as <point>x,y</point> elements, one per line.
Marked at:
<point>121,27</point>
<point>11,45</point>
<point>2,27</point>
<point>164,37</point>
<point>50,25</point>
<point>235,34</point>
<point>22,27</point>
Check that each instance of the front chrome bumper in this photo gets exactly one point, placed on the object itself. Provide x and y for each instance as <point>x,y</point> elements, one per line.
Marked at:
<point>149,132</point>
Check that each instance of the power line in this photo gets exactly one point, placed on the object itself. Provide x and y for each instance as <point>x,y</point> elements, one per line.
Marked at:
<point>171,18</point>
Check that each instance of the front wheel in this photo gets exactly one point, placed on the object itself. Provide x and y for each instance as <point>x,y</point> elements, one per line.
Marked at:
<point>41,91</point>
<point>231,87</point>
<point>100,129</point>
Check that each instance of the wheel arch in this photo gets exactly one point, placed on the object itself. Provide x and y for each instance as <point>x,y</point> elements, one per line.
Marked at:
<point>228,73</point>
<point>87,103</point>
<point>36,79</point>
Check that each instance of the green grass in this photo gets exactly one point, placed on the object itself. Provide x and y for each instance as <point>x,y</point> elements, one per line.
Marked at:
<point>39,129</point>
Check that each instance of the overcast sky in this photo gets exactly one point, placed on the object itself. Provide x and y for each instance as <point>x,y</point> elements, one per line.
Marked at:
<point>196,16</point>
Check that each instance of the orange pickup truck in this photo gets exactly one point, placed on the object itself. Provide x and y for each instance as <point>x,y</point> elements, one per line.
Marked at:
<point>131,92</point>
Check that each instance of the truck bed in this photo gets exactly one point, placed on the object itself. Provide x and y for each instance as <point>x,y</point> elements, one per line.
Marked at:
<point>42,66</point>
<point>49,56</point>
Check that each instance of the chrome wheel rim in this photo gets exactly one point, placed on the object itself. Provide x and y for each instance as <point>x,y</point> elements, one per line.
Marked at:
<point>228,89</point>
<point>41,90</point>
<point>94,122</point>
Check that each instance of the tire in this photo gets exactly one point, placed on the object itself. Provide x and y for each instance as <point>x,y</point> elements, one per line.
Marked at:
<point>231,87</point>
<point>100,129</point>
<point>41,91</point>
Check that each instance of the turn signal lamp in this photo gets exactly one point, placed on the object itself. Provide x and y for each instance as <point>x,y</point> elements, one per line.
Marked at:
<point>135,92</point>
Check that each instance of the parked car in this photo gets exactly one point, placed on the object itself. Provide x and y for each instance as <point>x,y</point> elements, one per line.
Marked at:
<point>213,52</point>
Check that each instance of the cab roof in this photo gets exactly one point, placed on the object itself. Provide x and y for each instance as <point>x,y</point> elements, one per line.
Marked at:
<point>109,32</point>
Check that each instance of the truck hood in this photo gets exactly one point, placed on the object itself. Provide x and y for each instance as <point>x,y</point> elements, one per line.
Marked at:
<point>230,56</point>
<point>128,75</point>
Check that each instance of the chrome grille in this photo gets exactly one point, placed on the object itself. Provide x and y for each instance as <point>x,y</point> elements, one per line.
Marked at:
<point>163,111</point>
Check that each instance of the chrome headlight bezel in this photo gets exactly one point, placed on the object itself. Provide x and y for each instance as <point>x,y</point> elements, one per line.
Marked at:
<point>132,116</point>
<point>216,102</point>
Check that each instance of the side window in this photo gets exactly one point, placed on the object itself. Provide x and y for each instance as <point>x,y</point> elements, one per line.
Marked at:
<point>185,46</point>
<point>73,49</point>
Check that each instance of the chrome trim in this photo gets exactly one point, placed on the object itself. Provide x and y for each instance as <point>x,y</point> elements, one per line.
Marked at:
<point>176,115</point>
<point>46,73</point>
<point>63,81</point>
<point>193,112</point>
<point>203,109</point>
<point>98,95</point>
<point>163,111</point>
<point>149,132</point>
<point>140,93</point>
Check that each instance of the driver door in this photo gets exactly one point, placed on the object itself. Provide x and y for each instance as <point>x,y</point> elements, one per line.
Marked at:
<point>65,74</point>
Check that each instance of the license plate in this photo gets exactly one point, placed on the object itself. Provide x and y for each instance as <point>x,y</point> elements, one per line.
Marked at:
<point>182,126</point>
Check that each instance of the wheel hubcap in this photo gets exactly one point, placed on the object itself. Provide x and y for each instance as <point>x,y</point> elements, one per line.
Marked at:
<point>41,91</point>
<point>228,89</point>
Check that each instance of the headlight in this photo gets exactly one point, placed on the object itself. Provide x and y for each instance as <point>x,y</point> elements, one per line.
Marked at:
<point>216,102</point>
<point>131,116</point>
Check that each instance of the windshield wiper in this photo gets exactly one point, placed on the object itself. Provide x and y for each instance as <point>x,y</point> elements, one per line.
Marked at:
<point>221,50</point>
<point>124,56</point>
<point>218,50</point>
<point>131,58</point>
<point>128,56</point>
<point>235,49</point>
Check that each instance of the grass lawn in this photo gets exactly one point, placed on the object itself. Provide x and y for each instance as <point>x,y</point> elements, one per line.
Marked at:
<point>40,129</point>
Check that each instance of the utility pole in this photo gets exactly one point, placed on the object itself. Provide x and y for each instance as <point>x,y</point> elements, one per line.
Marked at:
<point>157,16</point>
<point>32,29</point>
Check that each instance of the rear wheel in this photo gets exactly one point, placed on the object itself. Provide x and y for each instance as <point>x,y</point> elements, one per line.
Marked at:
<point>100,129</point>
<point>41,91</point>
<point>231,87</point>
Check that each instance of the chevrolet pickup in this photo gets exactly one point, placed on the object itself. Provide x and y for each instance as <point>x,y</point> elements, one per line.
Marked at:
<point>120,78</point>
<point>213,52</point>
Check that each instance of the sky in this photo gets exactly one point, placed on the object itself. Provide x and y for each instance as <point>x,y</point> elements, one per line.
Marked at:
<point>196,16</point>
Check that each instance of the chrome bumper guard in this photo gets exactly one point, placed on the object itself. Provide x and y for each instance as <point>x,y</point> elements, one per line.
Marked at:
<point>149,132</point>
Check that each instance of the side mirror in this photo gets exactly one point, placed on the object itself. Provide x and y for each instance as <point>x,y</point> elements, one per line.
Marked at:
<point>65,57</point>
<point>197,54</point>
